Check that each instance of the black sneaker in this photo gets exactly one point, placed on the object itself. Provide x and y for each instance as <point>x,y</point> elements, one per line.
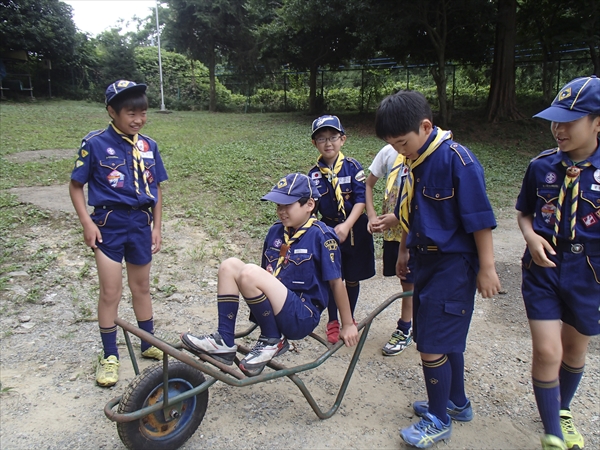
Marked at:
<point>263,351</point>
<point>210,344</point>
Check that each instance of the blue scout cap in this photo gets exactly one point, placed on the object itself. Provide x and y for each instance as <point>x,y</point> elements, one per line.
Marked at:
<point>578,98</point>
<point>327,122</point>
<point>120,86</point>
<point>292,188</point>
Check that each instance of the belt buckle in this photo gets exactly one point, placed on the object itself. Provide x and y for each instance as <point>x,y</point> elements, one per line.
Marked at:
<point>576,248</point>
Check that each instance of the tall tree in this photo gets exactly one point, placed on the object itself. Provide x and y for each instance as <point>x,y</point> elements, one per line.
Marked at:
<point>502,99</point>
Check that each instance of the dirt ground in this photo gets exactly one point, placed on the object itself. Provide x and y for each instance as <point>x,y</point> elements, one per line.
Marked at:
<point>49,348</point>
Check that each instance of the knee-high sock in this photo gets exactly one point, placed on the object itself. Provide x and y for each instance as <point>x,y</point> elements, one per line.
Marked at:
<point>147,326</point>
<point>569,382</point>
<point>264,315</point>
<point>547,397</point>
<point>228,306</point>
<point>457,386</point>
<point>353,289</point>
<point>109,341</point>
<point>438,376</point>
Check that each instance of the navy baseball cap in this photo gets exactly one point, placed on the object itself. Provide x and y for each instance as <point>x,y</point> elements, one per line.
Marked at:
<point>578,98</point>
<point>327,122</point>
<point>292,188</point>
<point>118,87</point>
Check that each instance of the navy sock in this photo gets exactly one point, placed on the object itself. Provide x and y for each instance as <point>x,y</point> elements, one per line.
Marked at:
<point>404,326</point>
<point>264,315</point>
<point>228,306</point>
<point>109,341</point>
<point>353,289</point>
<point>457,386</point>
<point>438,376</point>
<point>148,326</point>
<point>569,382</point>
<point>547,397</point>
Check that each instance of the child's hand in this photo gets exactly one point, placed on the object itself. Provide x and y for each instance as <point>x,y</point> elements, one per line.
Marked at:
<point>156,241</point>
<point>342,232</point>
<point>387,221</point>
<point>402,264</point>
<point>538,246</point>
<point>91,235</point>
<point>349,334</point>
<point>488,283</point>
<point>373,225</point>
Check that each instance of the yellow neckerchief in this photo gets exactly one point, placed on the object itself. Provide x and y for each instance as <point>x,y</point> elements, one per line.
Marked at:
<point>408,188</point>
<point>393,175</point>
<point>288,241</point>
<point>138,162</point>
<point>571,180</point>
<point>333,179</point>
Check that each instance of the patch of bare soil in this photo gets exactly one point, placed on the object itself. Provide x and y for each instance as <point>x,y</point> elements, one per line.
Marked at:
<point>49,348</point>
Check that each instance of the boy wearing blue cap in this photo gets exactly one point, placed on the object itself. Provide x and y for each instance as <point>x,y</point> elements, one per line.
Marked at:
<point>300,264</point>
<point>447,221</point>
<point>341,183</point>
<point>559,216</point>
<point>123,170</point>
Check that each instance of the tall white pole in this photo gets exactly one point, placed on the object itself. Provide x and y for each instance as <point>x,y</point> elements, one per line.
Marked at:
<point>162,97</point>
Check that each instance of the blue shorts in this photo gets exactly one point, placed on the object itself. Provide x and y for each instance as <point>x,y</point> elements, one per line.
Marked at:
<point>443,301</point>
<point>569,292</point>
<point>298,317</point>
<point>390,257</point>
<point>125,234</point>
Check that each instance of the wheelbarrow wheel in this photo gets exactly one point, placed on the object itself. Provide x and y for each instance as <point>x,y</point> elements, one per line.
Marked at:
<point>163,429</point>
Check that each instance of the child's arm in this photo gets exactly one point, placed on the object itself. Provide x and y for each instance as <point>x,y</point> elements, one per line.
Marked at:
<point>488,282</point>
<point>349,332</point>
<point>403,256</point>
<point>343,229</point>
<point>371,213</point>
<point>91,233</point>
<point>537,245</point>
<point>157,221</point>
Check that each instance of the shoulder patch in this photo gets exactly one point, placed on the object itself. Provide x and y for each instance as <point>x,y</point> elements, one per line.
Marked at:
<point>360,176</point>
<point>463,153</point>
<point>549,152</point>
<point>331,245</point>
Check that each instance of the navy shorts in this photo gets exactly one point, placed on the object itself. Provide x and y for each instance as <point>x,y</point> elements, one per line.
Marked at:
<point>298,317</point>
<point>443,301</point>
<point>358,260</point>
<point>390,257</point>
<point>125,234</point>
<point>569,292</point>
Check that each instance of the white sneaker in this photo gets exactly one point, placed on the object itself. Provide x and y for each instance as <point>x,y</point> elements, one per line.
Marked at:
<point>210,344</point>
<point>263,351</point>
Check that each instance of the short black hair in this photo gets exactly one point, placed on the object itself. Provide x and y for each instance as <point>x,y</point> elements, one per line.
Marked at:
<point>304,200</point>
<point>401,113</point>
<point>135,101</point>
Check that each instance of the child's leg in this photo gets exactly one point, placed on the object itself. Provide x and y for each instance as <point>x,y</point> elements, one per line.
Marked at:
<point>437,372</point>
<point>574,346</point>
<point>332,311</point>
<point>110,280</point>
<point>547,355</point>
<point>457,387</point>
<point>405,322</point>
<point>353,290</point>
<point>138,277</point>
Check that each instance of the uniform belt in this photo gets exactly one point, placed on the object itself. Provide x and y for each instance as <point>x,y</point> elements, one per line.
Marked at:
<point>578,247</point>
<point>428,249</point>
<point>124,207</point>
<point>333,219</point>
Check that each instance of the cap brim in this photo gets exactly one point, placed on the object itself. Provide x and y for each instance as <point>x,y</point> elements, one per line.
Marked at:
<point>312,136</point>
<point>280,199</point>
<point>557,114</point>
<point>138,87</point>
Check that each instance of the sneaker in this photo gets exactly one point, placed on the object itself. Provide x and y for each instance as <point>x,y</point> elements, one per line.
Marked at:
<point>426,432</point>
<point>263,351</point>
<point>397,343</point>
<point>210,344</point>
<point>573,438</point>
<point>551,442</point>
<point>107,373</point>
<point>153,353</point>
<point>333,331</point>
<point>464,414</point>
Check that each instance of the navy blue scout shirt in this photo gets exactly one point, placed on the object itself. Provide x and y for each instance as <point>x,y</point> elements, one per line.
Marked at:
<point>539,195</point>
<point>450,201</point>
<point>105,162</point>
<point>311,262</point>
<point>352,183</point>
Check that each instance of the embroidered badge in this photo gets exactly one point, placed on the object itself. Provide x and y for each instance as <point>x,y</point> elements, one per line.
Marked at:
<point>116,179</point>
<point>404,170</point>
<point>360,176</point>
<point>548,211</point>
<point>110,151</point>
<point>277,243</point>
<point>564,94</point>
<point>269,269</point>
<point>142,145</point>
<point>597,175</point>
<point>590,220</point>
<point>332,257</point>
<point>147,155</point>
<point>123,83</point>
<point>149,177</point>
<point>595,187</point>
<point>316,175</point>
<point>550,178</point>
<point>331,244</point>
<point>282,183</point>
<point>84,153</point>
<point>78,163</point>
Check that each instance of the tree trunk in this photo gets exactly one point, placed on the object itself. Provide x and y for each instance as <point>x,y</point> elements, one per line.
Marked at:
<point>212,96</point>
<point>502,100</point>
<point>595,57</point>
<point>312,93</point>
<point>439,76</point>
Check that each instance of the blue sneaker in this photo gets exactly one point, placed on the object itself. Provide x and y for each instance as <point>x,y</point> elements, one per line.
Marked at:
<point>426,432</point>
<point>464,414</point>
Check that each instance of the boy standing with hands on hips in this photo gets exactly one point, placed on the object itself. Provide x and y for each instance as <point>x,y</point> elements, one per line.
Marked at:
<point>559,216</point>
<point>447,221</point>
<point>123,170</point>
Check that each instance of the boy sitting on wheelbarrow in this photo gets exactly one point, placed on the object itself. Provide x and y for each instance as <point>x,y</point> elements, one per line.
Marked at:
<point>301,261</point>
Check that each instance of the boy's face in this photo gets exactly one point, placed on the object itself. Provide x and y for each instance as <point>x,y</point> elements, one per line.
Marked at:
<point>409,144</point>
<point>329,142</point>
<point>129,121</point>
<point>578,138</point>
<point>295,214</point>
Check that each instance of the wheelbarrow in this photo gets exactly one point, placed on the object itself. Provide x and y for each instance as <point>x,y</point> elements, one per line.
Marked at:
<point>164,404</point>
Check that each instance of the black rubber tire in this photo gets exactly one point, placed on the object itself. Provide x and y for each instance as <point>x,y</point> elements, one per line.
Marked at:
<point>153,431</point>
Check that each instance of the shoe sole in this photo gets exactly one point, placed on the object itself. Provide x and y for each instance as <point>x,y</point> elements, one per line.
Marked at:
<point>196,351</point>
<point>254,371</point>
<point>453,417</point>
<point>384,353</point>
